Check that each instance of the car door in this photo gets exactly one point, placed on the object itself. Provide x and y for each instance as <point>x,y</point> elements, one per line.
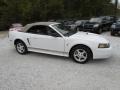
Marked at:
<point>45,38</point>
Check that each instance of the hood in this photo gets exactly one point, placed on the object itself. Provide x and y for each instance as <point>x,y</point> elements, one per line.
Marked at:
<point>89,37</point>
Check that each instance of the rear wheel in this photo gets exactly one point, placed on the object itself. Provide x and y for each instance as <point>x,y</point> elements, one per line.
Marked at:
<point>21,47</point>
<point>81,54</point>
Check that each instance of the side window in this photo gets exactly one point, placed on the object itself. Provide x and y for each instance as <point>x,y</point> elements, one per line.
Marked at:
<point>39,29</point>
<point>43,30</point>
<point>33,30</point>
<point>51,32</point>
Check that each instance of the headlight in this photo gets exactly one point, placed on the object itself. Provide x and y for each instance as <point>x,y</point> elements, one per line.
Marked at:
<point>103,45</point>
<point>96,25</point>
<point>113,26</point>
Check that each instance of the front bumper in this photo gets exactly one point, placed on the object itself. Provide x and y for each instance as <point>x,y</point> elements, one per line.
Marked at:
<point>102,53</point>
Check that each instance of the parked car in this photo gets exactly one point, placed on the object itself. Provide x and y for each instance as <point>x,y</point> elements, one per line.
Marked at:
<point>53,38</point>
<point>115,28</point>
<point>79,25</point>
<point>110,19</point>
<point>75,25</point>
<point>66,23</point>
<point>70,24</point>
<point>97,25</point>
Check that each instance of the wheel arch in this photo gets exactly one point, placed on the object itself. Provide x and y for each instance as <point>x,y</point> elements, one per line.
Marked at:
<point>81,45</point>
<point>16,40</point>
<point>25,47</point>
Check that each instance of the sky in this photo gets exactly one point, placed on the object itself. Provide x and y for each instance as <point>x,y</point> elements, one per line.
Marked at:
<point>113,1</point>
<point>119,4</point>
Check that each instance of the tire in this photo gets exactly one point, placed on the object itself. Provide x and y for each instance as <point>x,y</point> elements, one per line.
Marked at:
<point>84,55</point>
<point>21,48</point>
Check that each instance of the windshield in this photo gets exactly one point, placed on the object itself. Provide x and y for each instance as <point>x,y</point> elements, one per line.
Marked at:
<point>98,20</point>
<point>63,30</point>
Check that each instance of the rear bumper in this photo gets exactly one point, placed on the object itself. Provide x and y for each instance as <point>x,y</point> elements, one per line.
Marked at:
<point>102,53</point>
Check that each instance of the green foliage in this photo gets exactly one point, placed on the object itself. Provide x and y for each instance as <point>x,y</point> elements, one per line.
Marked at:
<point>27,11</point>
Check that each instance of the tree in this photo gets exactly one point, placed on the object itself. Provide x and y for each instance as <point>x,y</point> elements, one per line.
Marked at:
<point>27,11</point>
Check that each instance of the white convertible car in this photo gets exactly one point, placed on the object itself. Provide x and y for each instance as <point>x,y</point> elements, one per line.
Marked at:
<point>53,38</point>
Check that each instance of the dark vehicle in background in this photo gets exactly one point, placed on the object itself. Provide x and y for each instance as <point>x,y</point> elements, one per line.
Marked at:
<point>115,28</point>
<point>79,24</point>
<point>70,24</point>
<point>73,24</point>
<point>111,19</point>
<point>98,24</point>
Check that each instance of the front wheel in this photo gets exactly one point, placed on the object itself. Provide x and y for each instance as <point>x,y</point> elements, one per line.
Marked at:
<point>21,47</point>
<point>81,54</point>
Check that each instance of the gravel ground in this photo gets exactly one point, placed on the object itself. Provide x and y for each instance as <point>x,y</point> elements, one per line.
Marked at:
<point>3,34</point>
<point>46,72</point>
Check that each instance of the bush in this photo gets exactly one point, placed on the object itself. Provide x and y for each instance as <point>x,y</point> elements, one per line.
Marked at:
<point>27,11</point>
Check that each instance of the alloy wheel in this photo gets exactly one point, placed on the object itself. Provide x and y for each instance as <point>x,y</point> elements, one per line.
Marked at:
<point>20,47</point>
<point>80,55</point>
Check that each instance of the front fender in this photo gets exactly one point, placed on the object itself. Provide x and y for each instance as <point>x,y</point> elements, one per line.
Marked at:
<point>90,44</point>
